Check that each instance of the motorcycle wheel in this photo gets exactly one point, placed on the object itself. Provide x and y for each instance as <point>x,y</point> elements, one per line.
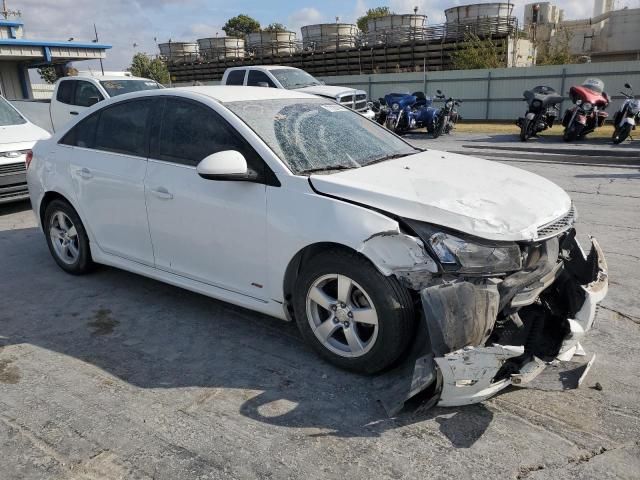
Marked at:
<point>439,129</point>
<point>526,130</point>
<point>572,132</point>
<point>620,134</point>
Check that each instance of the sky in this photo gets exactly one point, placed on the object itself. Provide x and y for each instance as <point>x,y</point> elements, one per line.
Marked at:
<point>133,26</point>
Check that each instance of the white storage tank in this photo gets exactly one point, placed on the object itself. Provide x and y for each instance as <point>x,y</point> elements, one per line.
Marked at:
<point>396,29</point>
<point>179,52</point>
<point>271,43</point>
<point>221,48</point>
<point>474,11</point>
<point>326,37</point>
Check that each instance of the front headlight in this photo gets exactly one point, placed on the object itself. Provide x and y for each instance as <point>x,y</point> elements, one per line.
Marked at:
<point>473,256</point>
<point>395,107</point>
<point>586,106</point>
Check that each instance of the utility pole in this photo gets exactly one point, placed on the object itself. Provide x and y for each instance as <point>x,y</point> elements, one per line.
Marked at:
<point>95,30</point>
<point>6,13</point>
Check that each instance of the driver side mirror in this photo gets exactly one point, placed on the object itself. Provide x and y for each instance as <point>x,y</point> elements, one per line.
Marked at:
<point>439,92</point>
<point>627,85</point>
<point>225,165</point>
<point>93,100</point>
<point>262,84</point>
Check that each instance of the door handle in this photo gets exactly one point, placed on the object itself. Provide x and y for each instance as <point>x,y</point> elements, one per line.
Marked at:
<point>162,193</point>
<point>73,113</point>
<point>85,173</point>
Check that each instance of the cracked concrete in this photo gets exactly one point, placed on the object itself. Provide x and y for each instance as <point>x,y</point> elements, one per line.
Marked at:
<point>124,377</point>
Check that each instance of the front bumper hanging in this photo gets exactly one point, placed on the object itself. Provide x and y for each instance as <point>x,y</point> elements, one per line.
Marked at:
<point>479,336</point>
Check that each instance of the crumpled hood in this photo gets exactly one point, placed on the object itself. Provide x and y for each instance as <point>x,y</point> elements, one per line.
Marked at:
<point>20,137</point>
<point>479,197</point>
<point>329,90</point>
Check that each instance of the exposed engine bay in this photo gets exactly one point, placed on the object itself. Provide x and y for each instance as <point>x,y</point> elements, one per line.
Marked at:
<point>480,334</point>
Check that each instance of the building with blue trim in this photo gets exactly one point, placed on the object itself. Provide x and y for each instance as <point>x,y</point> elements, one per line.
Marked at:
<point>18,55</point>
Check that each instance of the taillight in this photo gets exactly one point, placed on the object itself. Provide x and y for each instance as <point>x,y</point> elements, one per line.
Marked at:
<point>28,158</point>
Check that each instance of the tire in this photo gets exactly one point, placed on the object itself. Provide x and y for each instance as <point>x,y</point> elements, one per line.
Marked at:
<point>571,133</point>
<point>621,134</point>
<point>67,238</point>
<point>380,343</point>
<point>439,128</point>
<point>525,134</point>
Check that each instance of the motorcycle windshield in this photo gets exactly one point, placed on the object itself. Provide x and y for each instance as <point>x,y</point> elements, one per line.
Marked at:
<point>594,84</point>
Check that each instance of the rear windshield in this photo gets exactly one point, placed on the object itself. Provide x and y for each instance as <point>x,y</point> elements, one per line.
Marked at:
<point>9,115</point>
<point>120,87</point>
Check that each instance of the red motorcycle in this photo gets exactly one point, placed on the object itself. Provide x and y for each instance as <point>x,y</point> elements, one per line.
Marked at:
<point>588,113</point>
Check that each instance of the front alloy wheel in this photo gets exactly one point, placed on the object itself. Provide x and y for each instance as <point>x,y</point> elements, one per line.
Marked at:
<point>64,238</point>
<point>342,315</point>
<point>350,313</point>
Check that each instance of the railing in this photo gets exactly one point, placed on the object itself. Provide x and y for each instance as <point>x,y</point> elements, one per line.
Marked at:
<point>446,32</point>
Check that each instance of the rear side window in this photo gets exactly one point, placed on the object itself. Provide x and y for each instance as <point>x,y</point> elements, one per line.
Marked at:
<point>122,128</point>
<point>83,134</point>
<point>86,94</point>
<point>235,77</point>
<point>190,132</point>
<point>65,92</point>
<point>258,79</point>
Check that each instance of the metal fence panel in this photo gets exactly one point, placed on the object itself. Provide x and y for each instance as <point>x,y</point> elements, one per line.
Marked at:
<point>496,94</point>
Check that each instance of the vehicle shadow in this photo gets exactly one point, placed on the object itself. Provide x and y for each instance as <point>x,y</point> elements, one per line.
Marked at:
<point>155,336</point>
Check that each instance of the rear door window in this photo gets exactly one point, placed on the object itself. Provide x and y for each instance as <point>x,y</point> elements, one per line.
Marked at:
<point>65,92</point>
<point>122,128</point>
<point>236,77</point>
<point>258,79</point>
<point>83,134</point>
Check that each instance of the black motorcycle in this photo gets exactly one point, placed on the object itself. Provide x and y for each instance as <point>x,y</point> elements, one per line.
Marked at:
<point>380,110</point>
<point>543,109</point>
<point>445,117</point>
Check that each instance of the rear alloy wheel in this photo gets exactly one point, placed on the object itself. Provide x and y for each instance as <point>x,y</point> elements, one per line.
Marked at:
<point>351,314</point>
<point>67,238</point>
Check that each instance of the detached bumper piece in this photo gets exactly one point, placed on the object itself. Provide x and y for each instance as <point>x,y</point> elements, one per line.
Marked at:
<point>484,334</point>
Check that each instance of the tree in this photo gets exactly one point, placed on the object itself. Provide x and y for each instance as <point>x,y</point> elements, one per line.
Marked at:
<point>48,74</point>
<point>556,52</point>
<point>376,12</point>
<point>241,25</point>
<point>476,52</point>
<point>155,69</point>
<point>275,27</point>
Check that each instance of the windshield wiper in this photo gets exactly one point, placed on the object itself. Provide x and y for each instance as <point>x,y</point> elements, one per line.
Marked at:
<point>387,157</point>
<point>328,168</point>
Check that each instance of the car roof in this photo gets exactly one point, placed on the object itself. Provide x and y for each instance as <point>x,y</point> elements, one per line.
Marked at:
<point>264,67</point>
<point>104,77</point>
<point>228,93</point>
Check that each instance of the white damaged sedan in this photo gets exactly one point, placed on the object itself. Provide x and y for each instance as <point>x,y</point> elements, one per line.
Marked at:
<point>448,273</point>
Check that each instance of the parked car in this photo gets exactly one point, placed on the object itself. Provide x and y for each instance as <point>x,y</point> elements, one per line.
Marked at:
<point>249,196</point>
<point>290,78</point>
<point>73,95</point>
<point>17,137</point>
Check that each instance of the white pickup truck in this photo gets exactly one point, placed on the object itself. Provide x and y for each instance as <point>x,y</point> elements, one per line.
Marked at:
<point>290,78</point>
<point>72,95</point>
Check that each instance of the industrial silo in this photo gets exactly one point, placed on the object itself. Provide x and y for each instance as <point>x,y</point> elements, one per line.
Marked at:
<point>327,37</point>
<point>482,19</point>
<point>179,52</point>
<point>221,48</point>
<point>396,29</point>
<point>271,43</point>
